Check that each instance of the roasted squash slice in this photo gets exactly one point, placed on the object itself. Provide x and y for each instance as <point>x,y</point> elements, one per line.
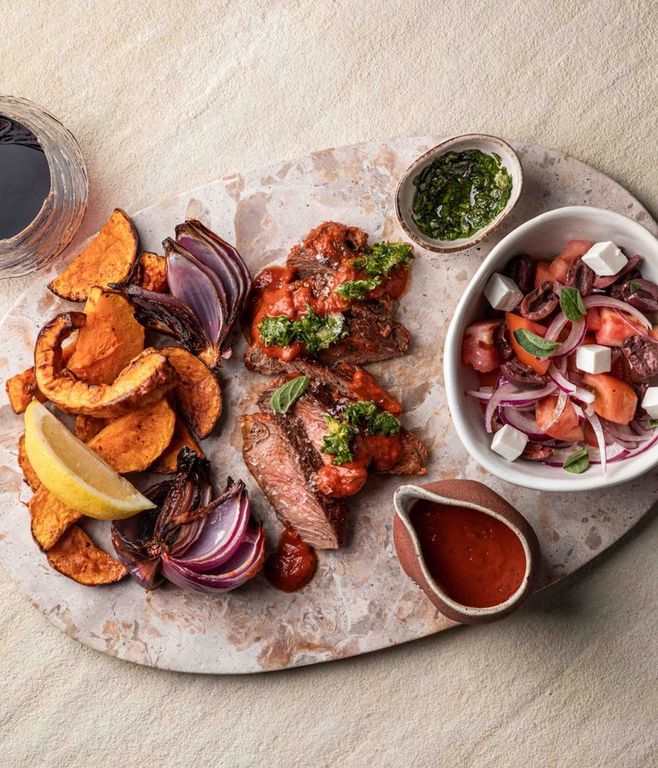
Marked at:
<point>109,258</point>
<point>109,339</point>
<point>197,391</point>
<point>142,381</point>
<point>75,555</point>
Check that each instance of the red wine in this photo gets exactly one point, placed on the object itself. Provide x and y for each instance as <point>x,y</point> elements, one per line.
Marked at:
<point>24,177</point>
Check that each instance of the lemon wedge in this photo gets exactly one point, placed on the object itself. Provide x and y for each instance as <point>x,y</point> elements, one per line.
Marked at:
<point>74,473</point>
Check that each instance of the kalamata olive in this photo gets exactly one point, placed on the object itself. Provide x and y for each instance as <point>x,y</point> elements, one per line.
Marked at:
<point>540,303</point>
<point>502,342</point>
<point>618,363</point>
<point>522,270</point>
<point>496,423</point>
<point>642,355</point>
<point>641,294</point>
<point>519,373</point>
<point>605,281</point>
<point>536,452</point>
<point>580,276</point>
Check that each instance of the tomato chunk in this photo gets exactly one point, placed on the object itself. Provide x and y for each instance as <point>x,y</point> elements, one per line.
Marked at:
<point>478,347</point>
<point>615,329</point>
<point>573,250</point>
<point>615,400</point>
<point>514,323</point>
<point>543,272</point>
<point>567,427</point>
<point>489,379</point>
<point>593,319</point>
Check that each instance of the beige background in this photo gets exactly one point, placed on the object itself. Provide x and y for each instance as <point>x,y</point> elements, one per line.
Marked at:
<point>166,96</point>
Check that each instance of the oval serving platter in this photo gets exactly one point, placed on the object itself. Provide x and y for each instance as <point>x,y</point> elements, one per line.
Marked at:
<point>360,600</point>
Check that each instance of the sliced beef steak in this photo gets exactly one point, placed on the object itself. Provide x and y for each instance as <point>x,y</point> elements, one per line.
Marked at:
<point>310,410</point>
<point>339,377</point>
<point>413,458</point>
<point>373,336</point>
<point>325,247</point>
<point>281,458</point>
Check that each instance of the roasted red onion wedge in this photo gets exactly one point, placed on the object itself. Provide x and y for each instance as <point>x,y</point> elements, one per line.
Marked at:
<point>196,286</point>
<point>222,258</point>
<point>195,542</point>
<point>209,284</point>
<point>244,565</point>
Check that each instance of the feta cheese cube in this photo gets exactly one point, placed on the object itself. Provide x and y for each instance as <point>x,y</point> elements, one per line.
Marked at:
<point>502,293</point>
<point>594,358</point>
<point>650,402</point>
<point>605,258</point>
<point>509,442</point>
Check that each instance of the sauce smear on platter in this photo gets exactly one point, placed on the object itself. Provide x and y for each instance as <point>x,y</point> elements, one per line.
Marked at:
<point>477,559</point>
<point>293,564</point>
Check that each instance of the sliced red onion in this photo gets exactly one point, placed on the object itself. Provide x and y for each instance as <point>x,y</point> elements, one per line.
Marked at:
<point>509,394</point>
<point>624,435</point>
<point>575,337</point>
<point>484,394</point>
<point>608,301</point>
<point>524,423</point>
<point>222,258</point>
<point>197,543</point>
<point>600,438</point>
<point>558,377</point>
<point>246,562</point>
<point>561,404</point>
<point>555,328</point>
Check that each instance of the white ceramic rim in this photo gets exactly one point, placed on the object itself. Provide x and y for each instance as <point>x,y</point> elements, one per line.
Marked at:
<point>404,498</point>
<point>462,244</point>
<point>520,473</point>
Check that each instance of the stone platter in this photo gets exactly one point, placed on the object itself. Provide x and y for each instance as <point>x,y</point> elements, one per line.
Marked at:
<point>360,600</point>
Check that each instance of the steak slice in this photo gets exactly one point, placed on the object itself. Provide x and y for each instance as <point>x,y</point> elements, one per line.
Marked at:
<point>310,410</point>
<point>283,462</point>
<point>373,336</point>
<point>325,247</point>
<point>413,458</point>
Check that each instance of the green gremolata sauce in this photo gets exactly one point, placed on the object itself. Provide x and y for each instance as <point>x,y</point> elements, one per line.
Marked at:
<point>459,193</point>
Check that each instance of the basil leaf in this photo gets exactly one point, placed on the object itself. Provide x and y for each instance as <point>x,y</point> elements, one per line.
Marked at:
<point>572,304</point>
<point>287,393</point>
<point>653,422</point>
<point>578,461</point>
<point>634,287</point>
<point>534,344</point>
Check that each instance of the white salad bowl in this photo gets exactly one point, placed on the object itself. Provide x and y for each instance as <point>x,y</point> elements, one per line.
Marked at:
<point>545,234</point>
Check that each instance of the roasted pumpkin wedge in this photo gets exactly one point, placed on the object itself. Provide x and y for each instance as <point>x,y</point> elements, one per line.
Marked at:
<point>197,391</point>
<point>152,273</point>
<point>133,442</point>
<point>75,555</point>
<point>50,518</point>
<point>29,475</point>
<point>109,258</point>
<point>109,339</point>
<point>167,463</point>
<point>144,380</point>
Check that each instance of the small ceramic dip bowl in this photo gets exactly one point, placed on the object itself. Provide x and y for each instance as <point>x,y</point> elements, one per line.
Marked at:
<point>464,500</point>
<point>406,189</point>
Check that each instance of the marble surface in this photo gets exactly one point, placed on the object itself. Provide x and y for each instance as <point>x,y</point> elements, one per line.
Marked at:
<point>167,97</point>
<point>359,600</point>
